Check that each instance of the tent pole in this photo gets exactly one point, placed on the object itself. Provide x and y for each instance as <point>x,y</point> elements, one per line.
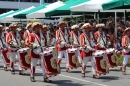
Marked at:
<point>84,17</point>
<point>76,20</point>
<point>115,25</point>
<point>98,17</point>
<point>124,17</point>
<point>94,15</point>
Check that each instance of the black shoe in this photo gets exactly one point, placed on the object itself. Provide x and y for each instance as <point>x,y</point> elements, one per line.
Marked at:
<point>68,70</point>
<point>83,75</point>
<point>21,72</point>
<point>32,79</point>
<point>47,80</point>
<point>95,76</point>
<point>123,72</point>
<point>13,72</point>
<point>5,68</point>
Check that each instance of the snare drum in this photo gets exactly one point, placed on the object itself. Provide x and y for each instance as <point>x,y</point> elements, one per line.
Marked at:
<point>6,56</point>
<point>24,55</point>
<point>73,58</point>
<point>112,57</point>
<point>101,62</point>
<point>50,63</point>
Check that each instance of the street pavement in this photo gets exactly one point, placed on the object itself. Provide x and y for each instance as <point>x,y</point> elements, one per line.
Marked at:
<point>114,78</point>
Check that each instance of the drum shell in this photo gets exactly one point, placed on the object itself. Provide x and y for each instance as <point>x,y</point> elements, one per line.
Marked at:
<point>24,56</point>
<point>73,58</point>
<point>50,64</point>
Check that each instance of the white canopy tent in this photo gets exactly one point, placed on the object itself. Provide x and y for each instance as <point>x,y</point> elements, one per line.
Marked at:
<point>41,13</point>
<point>6,13</point>
<point>11,18</point>
<point>93,6</point>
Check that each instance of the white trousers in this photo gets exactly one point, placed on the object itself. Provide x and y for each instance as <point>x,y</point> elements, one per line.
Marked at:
<point>85,61</point>
<point>34,64</point>
<point>1,55</point>
<point>126,58</point>
<point>13,56</point>
<point>79,57</point>
<point>65,54</point>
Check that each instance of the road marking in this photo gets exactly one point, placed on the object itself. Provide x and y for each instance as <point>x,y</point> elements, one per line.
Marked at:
<point>78,79</point>
<point>72,77</point>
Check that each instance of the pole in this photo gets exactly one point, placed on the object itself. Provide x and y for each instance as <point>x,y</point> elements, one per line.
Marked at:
<point>94,15</point>
<point>115,25</point>
<point>84,17</point>
<point>18,4</point>
<point>124,17</point>
<point>41,2</point>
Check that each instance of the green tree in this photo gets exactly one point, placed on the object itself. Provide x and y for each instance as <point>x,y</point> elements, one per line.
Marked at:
<point>63,0</point>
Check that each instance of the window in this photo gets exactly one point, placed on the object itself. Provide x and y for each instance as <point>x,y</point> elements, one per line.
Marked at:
<point>35,0</point>
<point>25,0</point>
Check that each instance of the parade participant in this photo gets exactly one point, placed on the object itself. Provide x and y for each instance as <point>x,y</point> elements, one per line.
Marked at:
<point>62,40</point>
<point>126,49</point>
<point>102,39</point>
<point>27,33</point>
<point>86,54</point>
<point>44,43</point>
<point>74,39</point>
<point>2,44</point>
<point>36,44</point>
<point>14,41</point>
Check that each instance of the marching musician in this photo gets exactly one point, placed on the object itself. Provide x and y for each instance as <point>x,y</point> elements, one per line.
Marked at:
<point>86,54</point>
<point>27,33</point>
<point>2,45</point>
<point>44,43</point>
<point>62,43</point>
<point>14,41</point>
<point>101,37</point>
<point>126,49</point>
<point>74,39</point>
<point>36,42</point>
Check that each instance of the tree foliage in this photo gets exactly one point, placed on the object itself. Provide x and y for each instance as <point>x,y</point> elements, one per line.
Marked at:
<point>63,0</point>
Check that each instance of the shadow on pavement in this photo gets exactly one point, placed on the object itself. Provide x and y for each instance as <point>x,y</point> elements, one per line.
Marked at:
<point>67,83</point>
<point>109,78</point>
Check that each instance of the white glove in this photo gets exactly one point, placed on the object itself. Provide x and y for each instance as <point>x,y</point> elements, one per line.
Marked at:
<point>22,42</point>
<point>109,43</point>
<point>129,47</point>
<point>88,47</point>
<point>101,46</point>
<point>15,44</point>
<point>35,45</point>
<point>67,45</point>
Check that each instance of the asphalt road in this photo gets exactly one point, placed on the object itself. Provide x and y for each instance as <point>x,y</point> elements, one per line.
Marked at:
<point>114,78</point>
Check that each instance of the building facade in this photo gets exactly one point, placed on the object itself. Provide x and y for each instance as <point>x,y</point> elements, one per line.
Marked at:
<point>7,5</point>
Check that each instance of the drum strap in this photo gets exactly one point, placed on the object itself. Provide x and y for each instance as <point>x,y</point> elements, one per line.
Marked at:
<point>62,35</point>
<point>101,34</point>
<point>38,41</point>
<point>15,39</point>
<point>87,39</point>
<point>75,37</point>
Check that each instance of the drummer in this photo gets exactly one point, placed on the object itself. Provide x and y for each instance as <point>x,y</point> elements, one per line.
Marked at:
<point>74,39</point>
<point>126,49</point>
<point>86,53</point>
<point>62,43</point>
<point>101,37</point>
<point>27,33</point>
<point>35,41</point>
<point>2,45</point>
<point>14,41</point>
